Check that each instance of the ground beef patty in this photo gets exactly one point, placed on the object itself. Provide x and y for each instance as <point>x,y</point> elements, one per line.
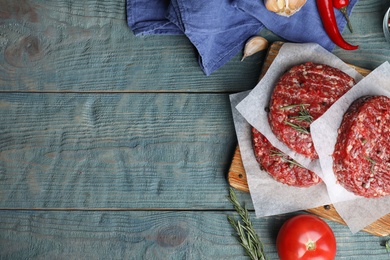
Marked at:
<point>300,96</point>
<point>362,151</point>
<point>281,167</point>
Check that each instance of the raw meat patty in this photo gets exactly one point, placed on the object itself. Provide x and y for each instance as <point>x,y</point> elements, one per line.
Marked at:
<point>281,167</point>
<point>362,151</point>
<point>300,96</point>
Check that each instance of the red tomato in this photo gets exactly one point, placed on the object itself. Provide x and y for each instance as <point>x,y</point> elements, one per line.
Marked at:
<point>306,237</point>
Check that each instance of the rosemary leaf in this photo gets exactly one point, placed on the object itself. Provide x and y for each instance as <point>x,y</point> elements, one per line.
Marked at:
<point>294,106</point>
<point>285,158</point>
<point>297,127</point>
<point>303,115</point>
<point>245,232</point>
<point>372,161</point>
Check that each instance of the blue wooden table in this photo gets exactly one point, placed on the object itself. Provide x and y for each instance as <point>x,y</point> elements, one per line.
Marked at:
<point>117,147</point>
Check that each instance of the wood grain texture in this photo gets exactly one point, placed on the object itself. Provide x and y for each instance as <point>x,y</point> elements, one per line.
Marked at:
<point>115,150</point>
<point>150,235</point>
<point>237,176</point>
<point>123,128</point>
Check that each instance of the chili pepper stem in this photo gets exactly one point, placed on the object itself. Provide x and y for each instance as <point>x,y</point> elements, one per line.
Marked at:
<point>326,11</point>
<point>344,11</point>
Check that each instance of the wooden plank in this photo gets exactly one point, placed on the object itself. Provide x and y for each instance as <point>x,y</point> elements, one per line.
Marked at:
<point>115,150</point>
<point>149,235</point>
<point>237,176</point>
<point>87,46</point>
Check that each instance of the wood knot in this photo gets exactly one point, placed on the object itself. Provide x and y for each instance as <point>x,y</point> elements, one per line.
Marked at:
<point>27,49</point>
<point>18,10</point>
<point>171,236</point>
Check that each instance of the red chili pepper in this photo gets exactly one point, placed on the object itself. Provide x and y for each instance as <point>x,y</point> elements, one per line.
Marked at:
<point>340,3</point>
<point>342,6</point>
<point>326,11</point>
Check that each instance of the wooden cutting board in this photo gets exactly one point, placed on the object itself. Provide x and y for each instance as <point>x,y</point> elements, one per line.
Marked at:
<point>237,176</point>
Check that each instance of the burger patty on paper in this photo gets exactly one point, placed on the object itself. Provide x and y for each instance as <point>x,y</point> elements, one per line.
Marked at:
<point>362,151</point>
<point>278,165</point>
<point>300,96</point>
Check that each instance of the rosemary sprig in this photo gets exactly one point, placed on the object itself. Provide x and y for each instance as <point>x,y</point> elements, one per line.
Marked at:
<point>303,115</point>
<point>247,236</point>
<point>298,127</point>
<point>285,158</point>
<point>294,106</point>
<point>372,163</point>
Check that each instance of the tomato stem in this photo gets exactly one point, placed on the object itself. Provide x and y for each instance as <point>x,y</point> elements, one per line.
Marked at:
<point>311,245</point>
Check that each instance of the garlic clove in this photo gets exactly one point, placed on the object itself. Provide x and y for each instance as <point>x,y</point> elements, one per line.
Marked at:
<point>296,4</point>
<point>284,7</point>
<point>254,45</point>
<point>275,5</point>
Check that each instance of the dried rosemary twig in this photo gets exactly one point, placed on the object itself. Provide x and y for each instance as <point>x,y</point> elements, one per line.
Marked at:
<point>285,158</point>
<point>303,115</point>
<point>372,163</point>
<point>247,236</point>
<point>298,127</point>
<point>294,106</point>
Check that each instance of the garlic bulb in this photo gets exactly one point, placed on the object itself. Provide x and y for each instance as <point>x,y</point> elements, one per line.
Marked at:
<point>284,7</point>
<point>254,45</point>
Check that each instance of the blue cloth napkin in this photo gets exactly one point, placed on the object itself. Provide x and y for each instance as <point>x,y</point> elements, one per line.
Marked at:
<point>219,28</point>
<point>146,17</point>
<point>303,26</point>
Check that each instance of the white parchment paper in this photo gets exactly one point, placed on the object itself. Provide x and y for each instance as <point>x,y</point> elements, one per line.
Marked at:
<point>358,212</point>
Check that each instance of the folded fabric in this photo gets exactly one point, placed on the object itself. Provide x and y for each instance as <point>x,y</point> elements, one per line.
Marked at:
<point>147,17</point>
<point>219,28</point>
<point>215,27</point>
<point>303,26</point>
